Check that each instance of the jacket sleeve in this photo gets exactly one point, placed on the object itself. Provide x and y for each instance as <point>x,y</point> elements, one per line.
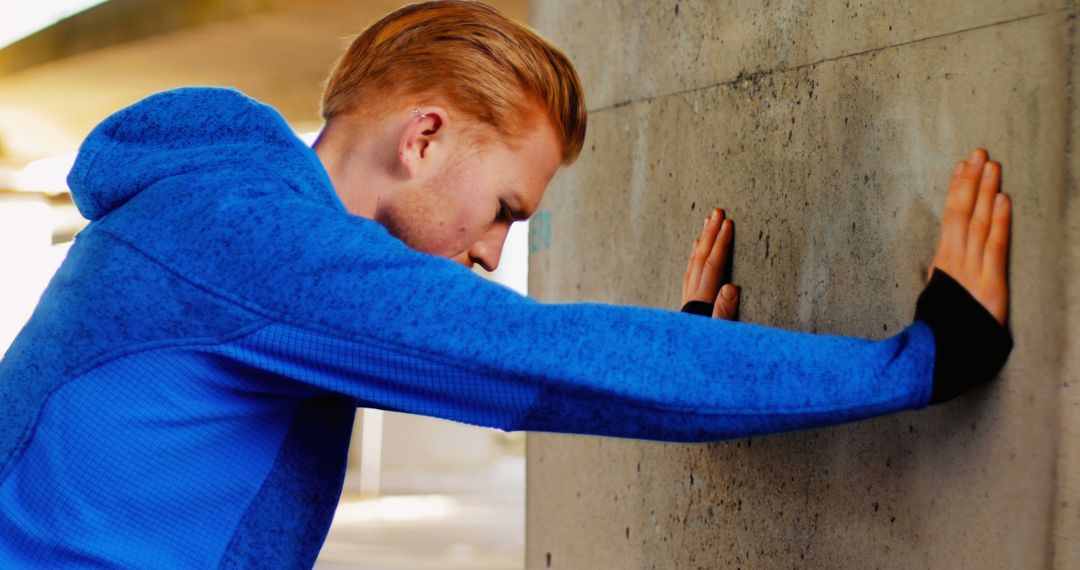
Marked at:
<point>354,310</point>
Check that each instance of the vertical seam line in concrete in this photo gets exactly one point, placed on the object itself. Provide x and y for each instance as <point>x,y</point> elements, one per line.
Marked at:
<point>750,76</point>
<point>1057,512</point>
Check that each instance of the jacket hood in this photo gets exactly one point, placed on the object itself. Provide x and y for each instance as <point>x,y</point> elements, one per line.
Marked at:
<point>184,130</point>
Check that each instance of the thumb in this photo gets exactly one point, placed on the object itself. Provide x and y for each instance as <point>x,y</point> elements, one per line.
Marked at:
<point>727,303</point>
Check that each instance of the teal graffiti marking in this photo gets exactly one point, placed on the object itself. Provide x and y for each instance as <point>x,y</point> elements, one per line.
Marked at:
<point>540,232</point>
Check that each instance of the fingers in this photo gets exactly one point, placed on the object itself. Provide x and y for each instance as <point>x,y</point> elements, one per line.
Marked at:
<point>975,233</point>
<point>997,242</point>
<point>727,303</point>
<point>689,266</point>
<point>960,203</point>
<point>712,274</point>
<point>706,268</point>
<point>979,226</point>
<point>699,254</point>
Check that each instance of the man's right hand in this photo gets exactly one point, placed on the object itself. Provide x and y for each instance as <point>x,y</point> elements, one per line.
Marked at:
<point>974,243</point>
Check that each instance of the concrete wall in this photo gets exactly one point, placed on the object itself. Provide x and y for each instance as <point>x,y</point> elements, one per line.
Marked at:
<point>827,130</point>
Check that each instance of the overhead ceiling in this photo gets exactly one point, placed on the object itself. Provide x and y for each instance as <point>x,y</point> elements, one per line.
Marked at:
<point>278,51</point>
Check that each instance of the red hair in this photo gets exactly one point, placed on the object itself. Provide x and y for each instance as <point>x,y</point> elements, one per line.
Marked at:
<point>494,70</point>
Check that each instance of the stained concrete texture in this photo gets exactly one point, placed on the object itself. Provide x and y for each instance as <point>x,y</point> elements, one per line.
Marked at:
<point>827,130</point>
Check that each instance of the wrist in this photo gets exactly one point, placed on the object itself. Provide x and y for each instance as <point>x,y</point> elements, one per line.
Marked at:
<point>970,345</point>
<point>698,308</point>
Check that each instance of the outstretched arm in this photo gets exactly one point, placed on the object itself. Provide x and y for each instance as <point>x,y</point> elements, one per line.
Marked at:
<point>354,310</point>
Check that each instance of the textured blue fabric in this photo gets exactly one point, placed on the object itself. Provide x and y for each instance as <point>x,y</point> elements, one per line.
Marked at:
<point>183,393</point>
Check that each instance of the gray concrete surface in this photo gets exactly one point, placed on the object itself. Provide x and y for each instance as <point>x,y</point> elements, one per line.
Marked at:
<point>1067,509</point>
<point>827,130</point>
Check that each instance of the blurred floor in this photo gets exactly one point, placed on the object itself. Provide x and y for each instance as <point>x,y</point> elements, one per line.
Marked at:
<point>475,521</point>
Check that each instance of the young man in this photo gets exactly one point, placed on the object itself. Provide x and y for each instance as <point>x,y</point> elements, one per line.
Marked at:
<point>183,395</point>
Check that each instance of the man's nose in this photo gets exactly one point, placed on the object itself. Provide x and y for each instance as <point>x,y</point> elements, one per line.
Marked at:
<point>488,249</point>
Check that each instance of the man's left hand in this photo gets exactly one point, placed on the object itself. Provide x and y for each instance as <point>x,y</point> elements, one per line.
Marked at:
<point>708,268</point>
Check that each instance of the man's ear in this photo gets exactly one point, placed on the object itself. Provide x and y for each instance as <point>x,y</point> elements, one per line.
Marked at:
<point>422,136</point>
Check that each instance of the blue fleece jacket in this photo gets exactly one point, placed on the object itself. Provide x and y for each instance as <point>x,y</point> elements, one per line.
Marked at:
<point>183,394</point>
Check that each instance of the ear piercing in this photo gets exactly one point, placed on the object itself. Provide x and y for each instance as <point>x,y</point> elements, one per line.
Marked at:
<point>418,113</point>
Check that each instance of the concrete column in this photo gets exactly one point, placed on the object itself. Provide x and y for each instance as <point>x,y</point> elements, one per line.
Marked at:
<point>827,130</point>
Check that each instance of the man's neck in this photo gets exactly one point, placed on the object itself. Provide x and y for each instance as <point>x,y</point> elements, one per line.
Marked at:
<point>350,171</point>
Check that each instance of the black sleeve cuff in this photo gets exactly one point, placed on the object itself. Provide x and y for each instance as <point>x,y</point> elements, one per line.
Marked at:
<point>698,308</point>
<point>971,346</point>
